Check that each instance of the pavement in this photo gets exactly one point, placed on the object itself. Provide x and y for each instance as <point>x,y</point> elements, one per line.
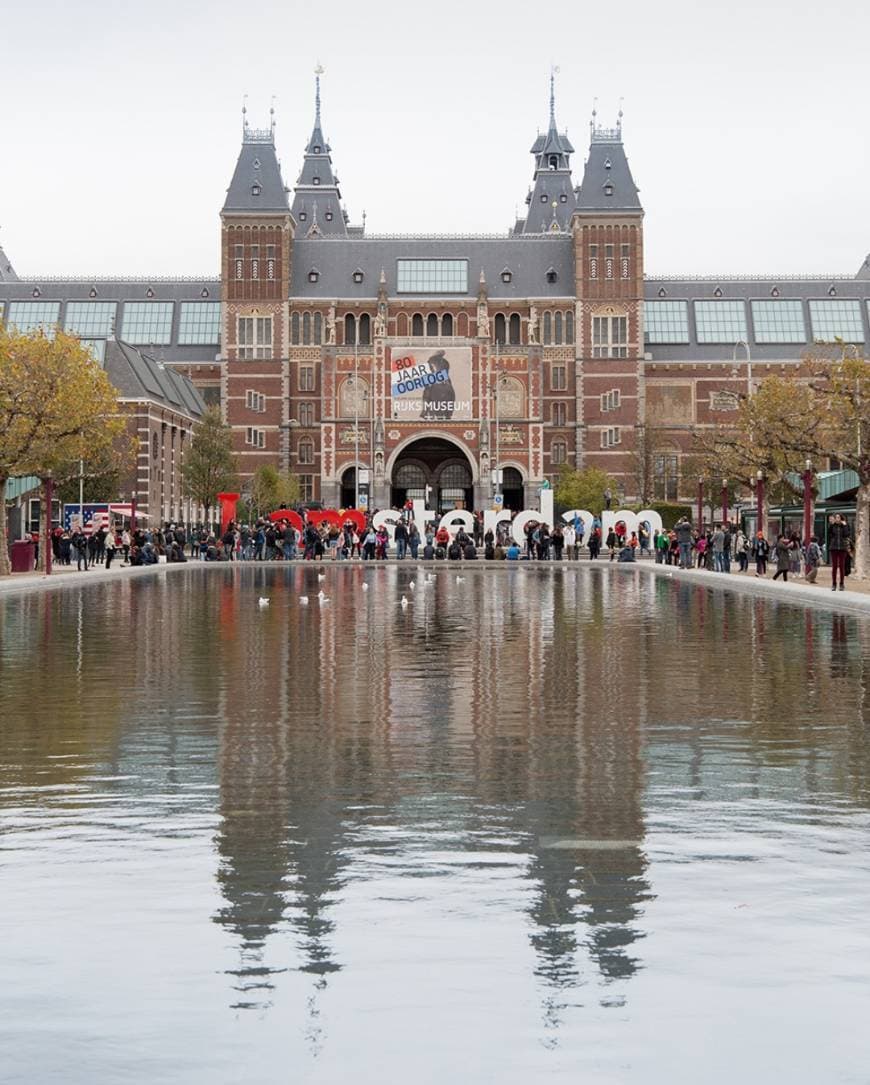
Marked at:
<point>856,598</point>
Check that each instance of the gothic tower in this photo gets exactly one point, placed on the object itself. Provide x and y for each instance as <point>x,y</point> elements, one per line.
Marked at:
<point>256,240</point>
<point>608,261</point>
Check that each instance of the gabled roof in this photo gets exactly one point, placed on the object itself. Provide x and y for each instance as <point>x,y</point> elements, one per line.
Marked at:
<point>607,183</point>
<point>137,375</point>
<point>257,186</point>
<point>7,271</point>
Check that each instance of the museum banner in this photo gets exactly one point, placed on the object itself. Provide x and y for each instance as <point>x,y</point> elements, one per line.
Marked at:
<point>430,384</point>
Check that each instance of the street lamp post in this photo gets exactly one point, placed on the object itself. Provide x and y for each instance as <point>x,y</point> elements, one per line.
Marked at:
<point>496,390</point>
<point>759,500</point>
<point>724,502</point>
<point>700,503</point>
<point>808,501</point>
<point>48,483</point>
<point>745,345</point>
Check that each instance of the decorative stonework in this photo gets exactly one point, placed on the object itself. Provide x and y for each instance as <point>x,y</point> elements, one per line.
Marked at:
<point>724,401</point>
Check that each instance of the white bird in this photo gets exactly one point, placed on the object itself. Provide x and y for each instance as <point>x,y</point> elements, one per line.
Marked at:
<point>365,587</point>
<point>411,584</point>
<point>263,602</point>
<point>321,598</point>
<point>460,580</point>
<point>303,599</point>
<point>321,577</point>
<point>404,603</point>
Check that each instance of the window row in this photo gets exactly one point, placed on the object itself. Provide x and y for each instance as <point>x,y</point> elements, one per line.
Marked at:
<point>260,262</point>
<point>557,328</point>
<point>255,401</point>
<point>610,400</point>
<point>774,321</point>
<point>143,323</point>
<point>609,261</point>
<point>610,437</point>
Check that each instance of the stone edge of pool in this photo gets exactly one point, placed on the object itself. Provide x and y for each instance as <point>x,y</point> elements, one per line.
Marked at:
<point>793,594</point>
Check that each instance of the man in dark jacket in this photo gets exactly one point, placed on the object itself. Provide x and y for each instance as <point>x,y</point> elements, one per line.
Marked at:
<point>839,543</point>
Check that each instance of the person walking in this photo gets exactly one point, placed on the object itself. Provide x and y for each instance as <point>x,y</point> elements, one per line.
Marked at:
<point>761,549</point>
<point>812,560</point>
<point>783,557</point>
<point>611,542</point>
<point>839,542</point>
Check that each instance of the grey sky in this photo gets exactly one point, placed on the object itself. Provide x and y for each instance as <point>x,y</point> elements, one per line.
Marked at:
<point>745,124</point>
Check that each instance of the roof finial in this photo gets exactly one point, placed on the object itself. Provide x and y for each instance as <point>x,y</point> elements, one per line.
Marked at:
<point>594,115</point>
<point>272,115</point>
<point>554,71</point>
<point>619,119</point>
<point>244,114</point>
<point>318,71</point>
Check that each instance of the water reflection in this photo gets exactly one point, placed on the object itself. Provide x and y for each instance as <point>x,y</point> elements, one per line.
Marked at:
<point>499,752</point>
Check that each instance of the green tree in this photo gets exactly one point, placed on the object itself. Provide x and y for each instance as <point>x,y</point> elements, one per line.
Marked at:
<point>583,489</point>
<point>210,464</point>
<point>272,489</point>
<point>56,405</point>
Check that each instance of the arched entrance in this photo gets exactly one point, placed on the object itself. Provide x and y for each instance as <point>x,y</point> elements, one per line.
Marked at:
<point>513,490</point>
<point>435,470</point>
<point>348,488</point>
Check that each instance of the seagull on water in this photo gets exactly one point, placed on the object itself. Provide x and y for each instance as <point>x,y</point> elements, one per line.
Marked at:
<point>404,603</point>
<point>365,587</point>
<point>303,599</point>
<point>263,601</point>
<point>321,577</point>
<point>460,580</point>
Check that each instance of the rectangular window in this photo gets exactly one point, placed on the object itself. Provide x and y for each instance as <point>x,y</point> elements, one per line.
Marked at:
<point>31,316</point>
<point>560,414</point>
<point>306,488</point>
<point>610,337</point>
<point>432,276</point>
<point>199,322</point>
<point>559,452</point>
<point>255,337</point>
<point>558,378</point>
<point>306,378</point>
<point>720,321</point>
<point>90,318</point>
<point>837,319</point>
<point>665,479</point>
<point>666,321</point>
<point>306,414</point>
<point>778,321</point>
<point>610,437</point>
<point>147,323</point>
<point>256,438</point>
<point>255,401</point>
<point>610,400</point>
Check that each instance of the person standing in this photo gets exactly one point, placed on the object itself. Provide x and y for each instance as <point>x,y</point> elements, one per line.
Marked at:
<point>812,560</point>
<point>684,541</point>
<point>783,556</point>
<point>608,498</point>
<point>594,543</point>
<point>839,541</point>
<point>557,540</point>
<point>761,549</point>
<point>111,545</point>
<point>401,537</point>
<point>611,542</point>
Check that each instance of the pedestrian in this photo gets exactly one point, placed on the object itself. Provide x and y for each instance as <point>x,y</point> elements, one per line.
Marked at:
<point>761,548</point>
<point>611,542</point>
<point>557,540</point>
<point>839,543</point>
<point>683,532</point>
<point>783,557</point>
<point>111,545</point>
<point>812,560</point>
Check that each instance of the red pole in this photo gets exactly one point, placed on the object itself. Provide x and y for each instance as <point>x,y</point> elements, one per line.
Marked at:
<point>133,514</point>
<point>724,502</point>
<point>49,497</point>
<point>808,502</point>
<point>759,497</point>
<point>700,502</point>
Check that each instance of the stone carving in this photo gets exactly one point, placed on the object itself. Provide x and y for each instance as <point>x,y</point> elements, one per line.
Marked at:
<point>482,322</point>
<point>330,326</point>
<point>724,401</point>
<point>533,325</point>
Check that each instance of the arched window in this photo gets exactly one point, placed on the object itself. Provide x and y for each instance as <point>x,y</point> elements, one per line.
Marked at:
<point>500,328</point>
<point>294,329</point>
<point>432,325</point>
<point>318,328</point>
<point>306,329</point>
<point>513,480</point>
<point>417,324</point>
<point>447,324</point>
<point>455,476</point>
<point>569,327</point>
<point>558,452</point>
<point>402,324</point>
<point>410,476</point>
<point>548,329</point>
<point>514,328</point>
<point>557,329</point>
<point>462,325</point>
<point>306,450</point>
<point>349,329</point>
<point>365,328</point>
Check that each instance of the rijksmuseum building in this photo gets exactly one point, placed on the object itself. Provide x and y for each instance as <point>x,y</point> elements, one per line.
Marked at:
<point>452,367</point>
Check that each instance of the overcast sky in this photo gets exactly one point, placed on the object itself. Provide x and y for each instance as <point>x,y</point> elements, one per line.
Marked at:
<point>746,124</point>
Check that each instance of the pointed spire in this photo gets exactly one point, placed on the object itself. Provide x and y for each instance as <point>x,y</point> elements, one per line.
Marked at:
<point>317,178</point>
<point>553,71</point>
<point>318,71</point>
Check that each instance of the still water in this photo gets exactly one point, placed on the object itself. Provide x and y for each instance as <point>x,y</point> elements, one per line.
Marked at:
<point>540,825</point>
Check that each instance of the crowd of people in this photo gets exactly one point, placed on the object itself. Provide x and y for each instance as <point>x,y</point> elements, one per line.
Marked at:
<point>716,549</point>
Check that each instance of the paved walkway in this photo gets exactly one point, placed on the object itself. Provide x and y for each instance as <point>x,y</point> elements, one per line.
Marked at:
<point>796,590</point>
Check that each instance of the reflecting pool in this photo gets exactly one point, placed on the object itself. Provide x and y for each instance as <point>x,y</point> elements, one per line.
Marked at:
<point>537,825</point>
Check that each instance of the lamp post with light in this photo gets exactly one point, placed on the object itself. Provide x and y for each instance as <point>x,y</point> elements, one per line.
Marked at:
<point>700,503</point>
<point>724,502</point>
<point>808,501</point>
<point>759,500</point>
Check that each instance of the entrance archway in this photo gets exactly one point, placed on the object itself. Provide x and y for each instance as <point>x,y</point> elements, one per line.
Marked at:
<point>433,469</point>
<point>513,489</point>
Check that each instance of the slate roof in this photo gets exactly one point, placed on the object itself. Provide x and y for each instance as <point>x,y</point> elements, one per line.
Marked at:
<point>257,186</point>
<point>316,197</point>
<point>7,271</point>
<point>551,199</point>
<point>527,258</point>
<point>607,183</point>
<point>137,375</point>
